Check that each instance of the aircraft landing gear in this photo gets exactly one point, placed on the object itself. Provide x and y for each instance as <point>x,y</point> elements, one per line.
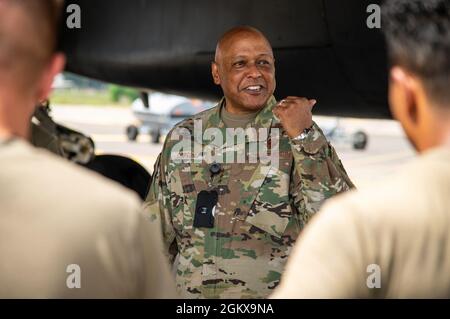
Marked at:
<point>338,135</point>
<point>122,170</point>
<point>132,132</point>
<point>360,140</point>
<point>155,136</point>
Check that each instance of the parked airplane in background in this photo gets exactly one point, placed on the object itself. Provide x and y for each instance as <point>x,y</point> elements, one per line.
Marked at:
<point>157,113</point>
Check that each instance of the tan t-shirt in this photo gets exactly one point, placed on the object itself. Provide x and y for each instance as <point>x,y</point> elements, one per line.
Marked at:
<point>63,227</point>
<point>391,240</point>
<point>236,120</point>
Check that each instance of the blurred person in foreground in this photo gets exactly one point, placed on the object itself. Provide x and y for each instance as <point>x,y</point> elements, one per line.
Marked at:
<point>64,232</point>
<point>392,240</point>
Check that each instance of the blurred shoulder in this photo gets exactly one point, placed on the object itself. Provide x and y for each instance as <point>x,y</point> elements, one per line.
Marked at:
<point>62,183</point>
<point>411,191</point>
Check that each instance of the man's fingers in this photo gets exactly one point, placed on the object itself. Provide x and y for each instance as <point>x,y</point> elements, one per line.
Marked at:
<point>283,103</point>
<point>293,99</point>
<point>287,102</point>
<point>279,109</point>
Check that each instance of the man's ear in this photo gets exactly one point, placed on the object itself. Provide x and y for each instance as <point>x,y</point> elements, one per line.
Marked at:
<point>215,73</point>
<point>56,66</point>
<point>404,101</point>
<point>403,95</point>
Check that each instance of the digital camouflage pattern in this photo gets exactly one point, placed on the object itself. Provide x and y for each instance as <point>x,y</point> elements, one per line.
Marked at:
<point>260,212</point>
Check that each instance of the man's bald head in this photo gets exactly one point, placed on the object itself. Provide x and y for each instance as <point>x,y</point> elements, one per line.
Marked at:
<point>238,33</point>
<point>28,36</point>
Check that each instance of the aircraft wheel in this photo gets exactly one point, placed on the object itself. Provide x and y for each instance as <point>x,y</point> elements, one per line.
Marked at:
<point>155,136</point>
<point>132,132</point>
<point>360,140</point>
<point>122,170</point>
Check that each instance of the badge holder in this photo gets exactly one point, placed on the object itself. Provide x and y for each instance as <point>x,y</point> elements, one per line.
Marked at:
<point>206,203</point>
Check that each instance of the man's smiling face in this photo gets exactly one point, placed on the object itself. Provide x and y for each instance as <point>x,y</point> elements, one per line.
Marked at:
<point>245,70</point>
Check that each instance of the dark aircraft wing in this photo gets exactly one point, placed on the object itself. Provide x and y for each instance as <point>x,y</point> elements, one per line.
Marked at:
<point>323,48</point>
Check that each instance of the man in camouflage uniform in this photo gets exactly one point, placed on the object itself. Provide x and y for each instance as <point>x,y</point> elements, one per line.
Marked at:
<point>260,208</point>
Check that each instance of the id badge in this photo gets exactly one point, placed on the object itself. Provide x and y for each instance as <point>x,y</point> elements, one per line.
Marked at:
<point>204,209</point>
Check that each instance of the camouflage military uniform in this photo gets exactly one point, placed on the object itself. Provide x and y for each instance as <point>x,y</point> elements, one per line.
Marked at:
<point>260,212</point>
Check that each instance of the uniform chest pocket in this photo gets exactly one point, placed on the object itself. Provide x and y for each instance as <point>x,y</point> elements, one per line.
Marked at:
<point>188,181</point>
<point>271,210</point>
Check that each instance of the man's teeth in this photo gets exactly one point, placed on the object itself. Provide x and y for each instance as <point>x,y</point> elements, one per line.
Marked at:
<point>254,88</point>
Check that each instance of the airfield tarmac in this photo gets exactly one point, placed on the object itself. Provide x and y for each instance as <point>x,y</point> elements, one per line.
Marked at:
<point>387,149</point>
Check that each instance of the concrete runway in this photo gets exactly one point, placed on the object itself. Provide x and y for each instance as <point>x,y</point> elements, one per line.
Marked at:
<point>387,148</point>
